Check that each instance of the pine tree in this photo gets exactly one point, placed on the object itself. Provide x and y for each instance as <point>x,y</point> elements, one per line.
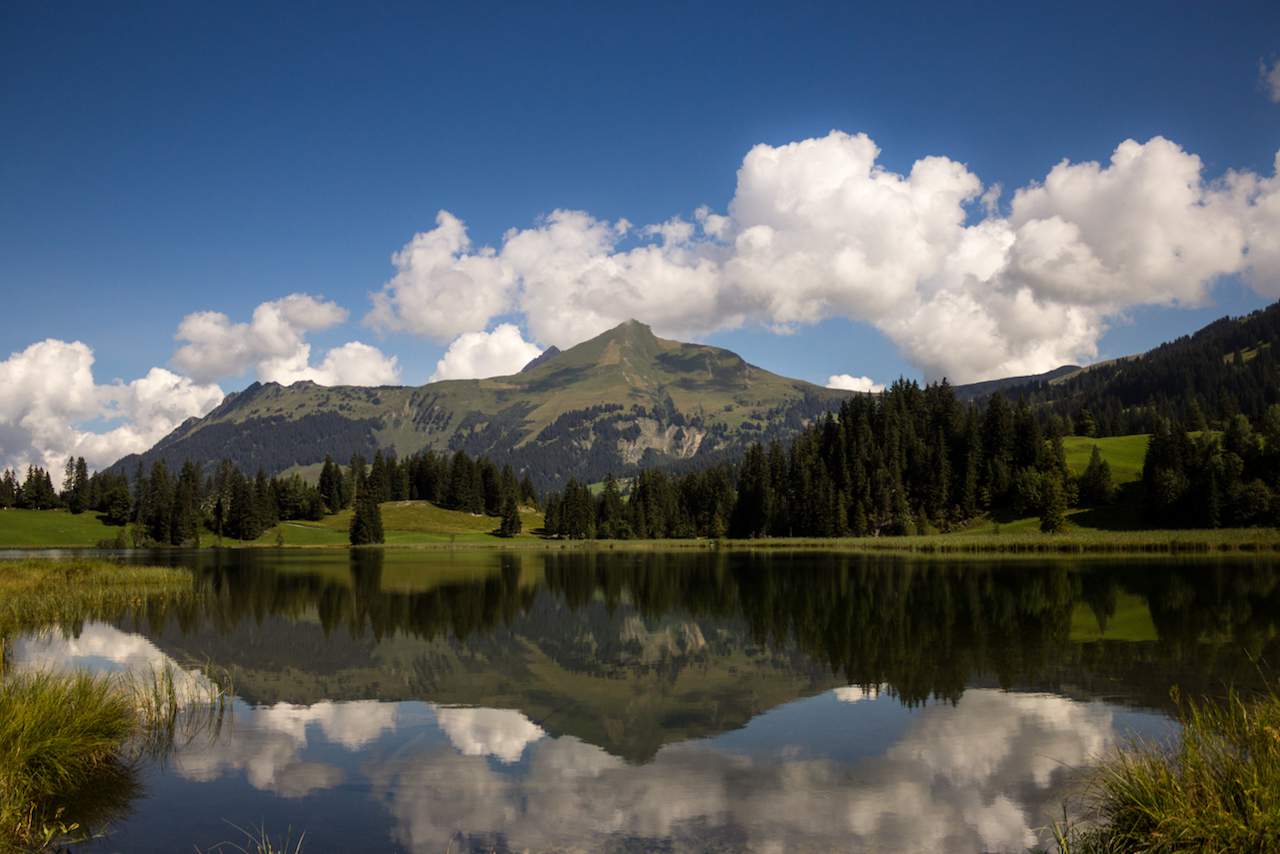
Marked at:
<point>184,521</point>
<point>8,489</point>
<point>366,522</point>
<point>79,499</point>
<point>1095,483</point>
<point>331,485</point>
<point>159,505</point>
<point>552,524</point>
<point>754,506</point>
<point>611,521</point>
<point>528,495</point>
<point>510,517</point>
<point>1053,518</point>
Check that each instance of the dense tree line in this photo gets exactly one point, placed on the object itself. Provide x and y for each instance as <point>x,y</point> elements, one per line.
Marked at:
<point>162,506</point>
<point>1210,480</point>
<point>910,460</point>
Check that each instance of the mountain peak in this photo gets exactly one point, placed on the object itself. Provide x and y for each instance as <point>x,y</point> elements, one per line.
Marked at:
<point>632,334</point>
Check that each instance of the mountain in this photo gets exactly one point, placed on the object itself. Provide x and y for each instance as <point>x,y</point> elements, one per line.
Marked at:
<point>622,399</point>
<point>974,391</point>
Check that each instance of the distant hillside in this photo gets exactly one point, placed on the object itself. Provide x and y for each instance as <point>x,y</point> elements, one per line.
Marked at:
<point>1228,367</point>
<point>624,399</point>
<point>974,391</point>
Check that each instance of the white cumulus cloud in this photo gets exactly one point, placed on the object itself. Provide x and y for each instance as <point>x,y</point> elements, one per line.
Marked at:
<point>274,344</point>
<point>49,398</point>
<point>475,355</point>
<point>819,228</point>
<point>848,382</point>
<point>442,288</point>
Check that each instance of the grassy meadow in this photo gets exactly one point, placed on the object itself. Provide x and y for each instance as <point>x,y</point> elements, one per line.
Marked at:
<point>1123,453</point>
<point>50,528</point>
<point>404,522</point>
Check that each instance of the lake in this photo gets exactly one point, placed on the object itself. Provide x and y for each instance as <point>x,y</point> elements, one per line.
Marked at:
<point>597,701</point>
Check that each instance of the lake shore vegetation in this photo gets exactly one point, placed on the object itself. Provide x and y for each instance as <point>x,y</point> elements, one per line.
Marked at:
<point>69,741</point>
<point>1215,789</point>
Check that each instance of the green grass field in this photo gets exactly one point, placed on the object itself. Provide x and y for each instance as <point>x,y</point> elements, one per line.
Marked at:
<point>27,528</point>
<point>404,523</point>
<point>1123,453</point>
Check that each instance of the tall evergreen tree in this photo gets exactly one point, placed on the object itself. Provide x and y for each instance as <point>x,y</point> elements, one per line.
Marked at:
<point>511,524</point>
<point>611,521</point>
<point>366,521</point>
<point>1053,518</point>
<point>754,506</point>
<point>1095,483</point>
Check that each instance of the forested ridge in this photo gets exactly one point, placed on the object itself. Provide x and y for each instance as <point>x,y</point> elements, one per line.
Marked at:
<point>1230,367</point>
<point>917,460</point>
<point>906,461</point>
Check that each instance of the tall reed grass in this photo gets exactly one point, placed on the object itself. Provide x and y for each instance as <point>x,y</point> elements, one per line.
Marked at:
<point>38,593</point>
<point>1216,790</point>
<point>70,742</point>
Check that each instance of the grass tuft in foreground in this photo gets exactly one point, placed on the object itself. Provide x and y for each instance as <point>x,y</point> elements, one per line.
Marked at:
<point>258,841</point>
<point>1216,790</point>
<point>60,737</point>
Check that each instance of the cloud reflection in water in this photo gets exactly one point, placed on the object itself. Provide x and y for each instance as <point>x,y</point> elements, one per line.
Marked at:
<point>983,774</point>
<point>976,776</point>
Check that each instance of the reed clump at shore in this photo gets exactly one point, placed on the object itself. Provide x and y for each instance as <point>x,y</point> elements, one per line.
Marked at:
<point>1216,789</point>
<point>37,592</point>
<point>70,741</point>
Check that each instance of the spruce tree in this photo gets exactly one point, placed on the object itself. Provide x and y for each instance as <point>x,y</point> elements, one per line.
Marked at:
<point>611,521</point>
<point>366,522</point>
<point>528,495</point>
<point>754,506</point>
<point>8,489</point>
<point>1095,483</point>
<point>1053,518</point>
<point>330,485</point>
<point>79,501</point>
<point>510,517</point>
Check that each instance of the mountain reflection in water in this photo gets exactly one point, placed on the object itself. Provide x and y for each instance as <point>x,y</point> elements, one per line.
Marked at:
<point>666,701</point>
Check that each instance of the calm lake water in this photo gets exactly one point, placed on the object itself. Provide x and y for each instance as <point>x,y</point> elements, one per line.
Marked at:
<point>488,701</point>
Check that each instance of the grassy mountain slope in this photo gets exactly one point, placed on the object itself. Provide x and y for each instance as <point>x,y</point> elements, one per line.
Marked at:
<point>624,398</point>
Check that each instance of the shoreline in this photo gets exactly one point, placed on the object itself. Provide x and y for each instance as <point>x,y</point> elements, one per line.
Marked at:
<point>1243,541</point>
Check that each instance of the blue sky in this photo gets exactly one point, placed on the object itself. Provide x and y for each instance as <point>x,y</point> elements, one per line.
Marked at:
<point>162,159</point>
